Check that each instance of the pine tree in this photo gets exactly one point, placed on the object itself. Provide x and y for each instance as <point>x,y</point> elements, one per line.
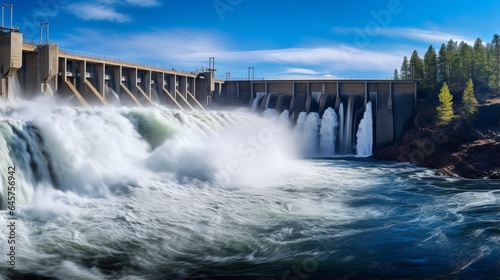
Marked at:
<point>405,69</point>
<point>495,47</point>
<point>469,102</point>
<point>480,67</point>
<point>453,63</point>
<point>445,109</point>
<point>443,65</point>
<point>396,75</point>
<point>466,57</point>
<point>430,71</point>
<point>416,67</point>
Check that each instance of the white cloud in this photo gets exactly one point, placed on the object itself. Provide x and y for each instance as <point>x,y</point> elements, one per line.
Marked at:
<point>333,57</point>
<point>429,36</point>
<point>416,34</point>
<point>191,49</point>
<point>105,10</point>
<point>301,71</point>
<point>97,12</point>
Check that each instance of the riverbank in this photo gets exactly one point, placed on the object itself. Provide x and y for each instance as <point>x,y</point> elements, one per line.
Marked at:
<point>465,148</point>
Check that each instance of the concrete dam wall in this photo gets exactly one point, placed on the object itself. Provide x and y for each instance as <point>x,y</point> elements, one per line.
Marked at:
<point>30,69</point>
<point>393,101</point>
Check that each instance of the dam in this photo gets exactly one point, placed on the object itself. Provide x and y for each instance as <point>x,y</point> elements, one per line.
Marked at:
<point>33,68</point>
<point>393,101</point>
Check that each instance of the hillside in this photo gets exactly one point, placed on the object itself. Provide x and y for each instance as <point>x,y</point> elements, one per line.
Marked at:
<point>469,150</point>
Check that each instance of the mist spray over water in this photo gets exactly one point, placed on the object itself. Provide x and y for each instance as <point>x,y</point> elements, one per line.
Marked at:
<point>134,193</point>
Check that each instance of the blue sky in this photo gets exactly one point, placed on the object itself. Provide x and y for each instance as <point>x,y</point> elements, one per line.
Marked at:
<point>322,38</point>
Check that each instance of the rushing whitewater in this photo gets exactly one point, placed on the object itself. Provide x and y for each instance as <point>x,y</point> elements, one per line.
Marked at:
<point>311,134</point>
<point>129,193</point>
<point>364,136</point>
<point>328,131</point>
<point>255,103</point>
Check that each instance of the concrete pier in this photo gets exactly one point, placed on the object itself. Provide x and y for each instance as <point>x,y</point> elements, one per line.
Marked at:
<point>10,61</point>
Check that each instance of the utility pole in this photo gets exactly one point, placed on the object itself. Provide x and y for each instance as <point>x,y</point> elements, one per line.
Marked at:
<point>46,32</point>
<point>251,71</point>
<point>11,6</point>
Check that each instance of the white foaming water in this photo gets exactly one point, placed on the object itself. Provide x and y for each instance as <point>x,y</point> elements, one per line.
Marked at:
<point>328,131</point>
<point>120,193</point>
<point>87,150</point>
<point>311,134</point>
<point>299,127</point>
<point>299,131</point>
<point>285,115</point>
<point>258,96</point>
<point>13,89</point>
<point>270,113</point>
<point>364,136</point>
<point>48,89</point>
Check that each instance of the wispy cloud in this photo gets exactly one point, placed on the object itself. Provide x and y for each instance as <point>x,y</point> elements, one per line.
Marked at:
<point>303,71</point>
<point>415,34</point>
<point>106,10</point>
<point>333,57</point>
<point>429,36</point>
<point>97,12</point>
<point>190,49</point>
<point>287,75</point>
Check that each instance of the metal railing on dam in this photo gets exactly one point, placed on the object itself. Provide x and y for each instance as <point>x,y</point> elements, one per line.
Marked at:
<point>124,61</point>
<point>306,78</point>
<point>36,43</point>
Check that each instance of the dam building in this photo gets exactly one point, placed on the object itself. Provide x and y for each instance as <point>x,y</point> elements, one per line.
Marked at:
<point>393,102</point>
<point>30,69</point>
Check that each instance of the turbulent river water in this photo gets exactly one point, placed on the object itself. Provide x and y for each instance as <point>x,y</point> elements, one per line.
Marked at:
<point>121,193</point>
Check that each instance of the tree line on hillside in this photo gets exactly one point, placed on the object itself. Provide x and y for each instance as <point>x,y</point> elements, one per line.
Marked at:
<point>454,64</point>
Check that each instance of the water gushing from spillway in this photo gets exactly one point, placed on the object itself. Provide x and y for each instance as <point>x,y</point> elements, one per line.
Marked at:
<point>364,136</point>
<point>328,131</point>
<point>155,97</point>
<point>255,103</point>
<point>311,134</point>
<point>331,135</point>
<point>316,96</point>
<point>112,96</point>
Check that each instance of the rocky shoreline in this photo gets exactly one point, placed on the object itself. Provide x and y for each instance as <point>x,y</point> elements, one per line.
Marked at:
<point>468,150</point>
